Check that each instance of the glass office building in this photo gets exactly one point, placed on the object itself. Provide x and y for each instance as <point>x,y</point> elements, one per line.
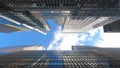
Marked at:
<point>112,27</point>
<point>75,15</point>
<point>87,58</point>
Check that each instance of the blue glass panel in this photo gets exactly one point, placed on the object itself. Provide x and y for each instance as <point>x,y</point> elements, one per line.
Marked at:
<point>4,21</point>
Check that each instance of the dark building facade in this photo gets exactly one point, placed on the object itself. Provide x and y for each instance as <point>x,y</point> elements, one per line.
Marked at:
<point>75,15</point>
<point>87,57</point>
<point>112,27</point>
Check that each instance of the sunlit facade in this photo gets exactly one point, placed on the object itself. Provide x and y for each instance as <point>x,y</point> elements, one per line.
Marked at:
<point>87,58</point>
<point>22,48</point>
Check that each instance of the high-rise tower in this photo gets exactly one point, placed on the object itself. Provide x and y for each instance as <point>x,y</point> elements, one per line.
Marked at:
<point>79,57</point>
<point>75,15</point>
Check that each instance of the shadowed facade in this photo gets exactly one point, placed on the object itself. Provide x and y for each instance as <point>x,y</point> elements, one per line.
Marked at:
<point>75,15</point>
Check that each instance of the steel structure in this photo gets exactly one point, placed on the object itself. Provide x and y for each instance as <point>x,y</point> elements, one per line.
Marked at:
<point>75,15</point>
<point>7,28</point>
<point>88,57</point>
<point>112,27</point>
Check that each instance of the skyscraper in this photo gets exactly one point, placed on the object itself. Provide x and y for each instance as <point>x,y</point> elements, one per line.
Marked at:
<point>112,27</point>
<point>22,48</point>
<point>7,28</point>
<point>75,15</point>
<point>88,57</point>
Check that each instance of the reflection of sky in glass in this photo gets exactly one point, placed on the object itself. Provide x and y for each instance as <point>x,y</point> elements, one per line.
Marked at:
<point>3,53</point>
<point>55,59</point>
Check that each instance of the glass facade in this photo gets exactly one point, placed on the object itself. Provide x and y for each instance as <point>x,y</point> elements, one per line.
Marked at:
<point>103,58</point>
<point>75,15</point>
<point>112,27</point>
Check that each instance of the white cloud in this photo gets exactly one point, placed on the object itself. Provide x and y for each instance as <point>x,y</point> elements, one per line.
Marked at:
<point>110,40</point>
<point>83,37</point>
<point>93,32</point>
<point>64,41</point>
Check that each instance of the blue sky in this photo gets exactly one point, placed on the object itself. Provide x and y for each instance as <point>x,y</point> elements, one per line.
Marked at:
<point>26,37</point>
<point>54,40</point>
